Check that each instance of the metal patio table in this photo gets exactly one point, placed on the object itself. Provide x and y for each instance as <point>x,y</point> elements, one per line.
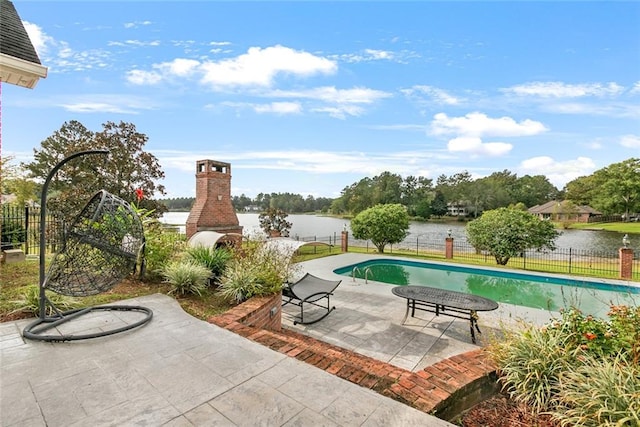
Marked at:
<point>448,303</point>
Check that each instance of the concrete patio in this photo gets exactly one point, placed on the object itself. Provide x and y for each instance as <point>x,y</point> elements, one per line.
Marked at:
<point>368,317</point>
<point>181,371</point>
<point>176,371</point>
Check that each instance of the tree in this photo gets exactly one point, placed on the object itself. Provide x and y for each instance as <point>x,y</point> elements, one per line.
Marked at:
<point>127,169</point>
<point>439,205</point>
<point>382,224</point>
<point>7,173</point>
<point>506,233</point>
<point>387,188</point>
<point>499,188</point>
<point>535,190</point>
<point>13,182</point>
<point>619,190</point>
<point>274,222</point>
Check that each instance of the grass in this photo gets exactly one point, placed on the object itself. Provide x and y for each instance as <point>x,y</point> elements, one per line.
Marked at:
<point>19,278</point>
<point>620,227</point>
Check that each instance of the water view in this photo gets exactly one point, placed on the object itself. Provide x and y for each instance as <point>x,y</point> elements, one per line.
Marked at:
<point>323,226</point>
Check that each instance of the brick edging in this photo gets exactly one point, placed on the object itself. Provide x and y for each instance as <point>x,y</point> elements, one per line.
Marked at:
<point>428,390</point>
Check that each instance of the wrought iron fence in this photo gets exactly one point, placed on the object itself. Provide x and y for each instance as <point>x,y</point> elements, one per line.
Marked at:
<point>21,229</point>
<point>580,262</point>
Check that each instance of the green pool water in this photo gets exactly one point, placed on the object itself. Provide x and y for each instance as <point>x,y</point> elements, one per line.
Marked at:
<point>527,290</point>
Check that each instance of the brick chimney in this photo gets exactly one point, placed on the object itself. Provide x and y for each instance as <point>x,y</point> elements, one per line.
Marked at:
<point>212,210</point>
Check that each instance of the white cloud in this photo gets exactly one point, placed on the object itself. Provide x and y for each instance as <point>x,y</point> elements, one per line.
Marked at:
<point>58,55</point>
<point>593,145</point>
<point>369,55</point>
<point>179,67</point>
<point>40,40</point>
<point>95,107</point>
<point>106,103</point>
<point>279,108</point>
<point>636,88</point>
<point>137,43</point>
<point>475,147</point>
<point>259,67</point>
<point>478,124</point>
<point>219,43</point>
<point>136,24</point>
<point>438,95</point>
<point>340,111</point>
<point>140,77</point>
<point>315,161</point>
<point>558,172</point>
<point>564,90</point>
<point>357,95</point>
<point>624,110</point>
<point>630,141</point>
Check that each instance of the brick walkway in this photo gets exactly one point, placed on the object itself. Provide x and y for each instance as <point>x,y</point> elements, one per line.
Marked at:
<point>427,390</point>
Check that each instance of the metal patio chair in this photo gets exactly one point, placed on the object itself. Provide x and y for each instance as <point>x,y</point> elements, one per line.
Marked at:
<point>310,290</point>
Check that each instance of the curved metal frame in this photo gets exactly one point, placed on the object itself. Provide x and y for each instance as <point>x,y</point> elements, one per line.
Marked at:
<point>33,330</point>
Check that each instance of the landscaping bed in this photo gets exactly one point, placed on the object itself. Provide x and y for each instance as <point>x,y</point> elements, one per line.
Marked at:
<point>501,411</point>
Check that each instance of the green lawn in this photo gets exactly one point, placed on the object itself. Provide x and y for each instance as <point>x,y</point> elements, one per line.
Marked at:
<point>620,227</point>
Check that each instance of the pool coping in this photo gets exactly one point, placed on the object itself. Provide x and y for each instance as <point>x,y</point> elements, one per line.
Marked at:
<point>558,276</point>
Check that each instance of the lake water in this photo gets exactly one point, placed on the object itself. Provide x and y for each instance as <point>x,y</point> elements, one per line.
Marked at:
<point>323,226</point>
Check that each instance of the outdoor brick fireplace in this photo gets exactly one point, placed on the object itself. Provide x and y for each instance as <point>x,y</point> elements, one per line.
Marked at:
<point>212,210</point>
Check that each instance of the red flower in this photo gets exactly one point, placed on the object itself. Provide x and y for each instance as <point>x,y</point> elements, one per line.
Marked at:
<point>590,336</point>
<point>139,194</point>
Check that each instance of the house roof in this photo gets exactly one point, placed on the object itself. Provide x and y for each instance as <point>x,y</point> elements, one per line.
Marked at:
<point>555,206</point>
<point>19,62</point>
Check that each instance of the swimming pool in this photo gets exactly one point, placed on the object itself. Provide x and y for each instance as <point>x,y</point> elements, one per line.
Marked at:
<point>527,290</point>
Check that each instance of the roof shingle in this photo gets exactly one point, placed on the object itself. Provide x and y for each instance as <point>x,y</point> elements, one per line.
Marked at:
<point>14,40</point>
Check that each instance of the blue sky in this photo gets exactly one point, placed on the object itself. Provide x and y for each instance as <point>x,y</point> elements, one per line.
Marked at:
<point>310,97</point>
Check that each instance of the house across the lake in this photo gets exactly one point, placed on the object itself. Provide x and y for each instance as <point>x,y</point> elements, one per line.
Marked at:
<point>564,211</point>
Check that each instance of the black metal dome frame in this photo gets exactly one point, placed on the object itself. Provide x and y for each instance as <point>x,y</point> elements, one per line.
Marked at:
<point>100,248</point>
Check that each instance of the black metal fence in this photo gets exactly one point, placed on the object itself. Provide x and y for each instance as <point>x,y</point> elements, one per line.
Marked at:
<point>579,262</point>
<point>20,229</point>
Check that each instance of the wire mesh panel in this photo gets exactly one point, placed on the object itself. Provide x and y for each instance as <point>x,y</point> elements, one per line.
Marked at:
<point>100,248</point>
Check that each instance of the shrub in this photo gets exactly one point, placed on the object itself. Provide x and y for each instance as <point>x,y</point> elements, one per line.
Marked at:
<point>274,221</point>
<point>620,335</point>
<point>257,269</point>
<point>186,277</point>
<point>240,282</point>
<point>29,302</point>
<point>13,233</point>
<point>530,363</point>
<point>582,369</point>
<point>162,246</point>
<point>600,392</point>
<point>215,259</point>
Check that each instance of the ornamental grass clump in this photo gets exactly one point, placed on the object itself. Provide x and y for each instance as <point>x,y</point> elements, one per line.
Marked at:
<point>186,277</point>
<point>530,363</point>
<point>579,369</point>
<point>215,259</point>
<point>29,302</point>
<point>257,269</point>
<point>600,392</point>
